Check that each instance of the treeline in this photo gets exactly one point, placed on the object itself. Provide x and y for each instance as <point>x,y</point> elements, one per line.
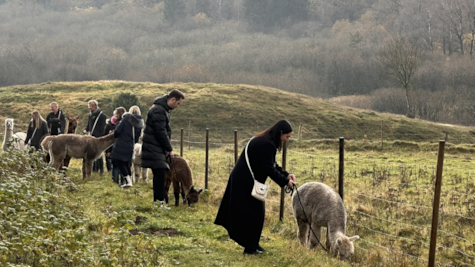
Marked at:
<point>320,48</point>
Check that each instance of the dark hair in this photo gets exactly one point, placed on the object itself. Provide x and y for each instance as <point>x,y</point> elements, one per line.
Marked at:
<point>119,112</point>
<point>275,132</point>
<point>177,94</point>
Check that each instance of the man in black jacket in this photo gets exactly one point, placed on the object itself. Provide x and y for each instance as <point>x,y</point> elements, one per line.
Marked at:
<point>95,126</point>
<point>156,141</point>
<point>56,120</point>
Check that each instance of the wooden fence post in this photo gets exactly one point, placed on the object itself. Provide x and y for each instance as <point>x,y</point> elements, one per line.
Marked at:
<point>282,191</point>
<point>435,210</point>
<point>181,143</point>
<point>235,146</point>
<point>206,159</point>
<point>341,170</point>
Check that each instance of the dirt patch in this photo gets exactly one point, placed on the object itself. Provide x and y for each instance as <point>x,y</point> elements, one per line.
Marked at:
<point>140,219</point>
<point>164,231</point>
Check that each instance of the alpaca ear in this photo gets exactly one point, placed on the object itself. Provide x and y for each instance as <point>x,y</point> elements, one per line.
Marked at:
<point>353,238</point>
<point>201,190</point>
<point>191,187</point>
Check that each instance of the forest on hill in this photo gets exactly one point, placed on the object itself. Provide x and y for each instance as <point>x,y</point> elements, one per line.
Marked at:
<point>411,57</point>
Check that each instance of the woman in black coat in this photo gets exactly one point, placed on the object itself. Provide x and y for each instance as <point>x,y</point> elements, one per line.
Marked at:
<point>36,129</point>
<point>126,134</point>
<point>240,213</point>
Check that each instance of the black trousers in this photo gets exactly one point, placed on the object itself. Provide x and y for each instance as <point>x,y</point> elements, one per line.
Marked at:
<point>124,167</point>
<point>108,163</point>
<point>98,165</point>
<point>158,184</point>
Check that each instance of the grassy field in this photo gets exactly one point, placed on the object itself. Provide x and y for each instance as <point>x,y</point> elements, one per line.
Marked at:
<point>224,108</point>
<point>48,219</point>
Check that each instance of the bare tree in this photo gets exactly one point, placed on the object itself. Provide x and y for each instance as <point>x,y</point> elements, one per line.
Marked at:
<point>401,60</point>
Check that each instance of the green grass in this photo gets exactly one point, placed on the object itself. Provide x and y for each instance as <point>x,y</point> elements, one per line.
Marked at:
<point>375,181</point>
<point>387,188</point>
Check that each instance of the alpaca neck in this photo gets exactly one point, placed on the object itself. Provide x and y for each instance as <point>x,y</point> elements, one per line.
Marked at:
<point>8,135</point>
<point>105,141</point>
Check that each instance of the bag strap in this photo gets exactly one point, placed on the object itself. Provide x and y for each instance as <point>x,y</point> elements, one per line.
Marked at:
<point>133,135</point>
<point>247,160</point>
<point>33,135</point>
<point>59,115</point>
<point>94,126</point>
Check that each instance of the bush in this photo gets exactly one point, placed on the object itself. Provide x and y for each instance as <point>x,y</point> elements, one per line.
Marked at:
<point>128,100</point>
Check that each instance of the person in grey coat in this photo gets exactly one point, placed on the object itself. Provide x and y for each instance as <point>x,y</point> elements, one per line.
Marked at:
<point>156,141</point>
<point>126,134</point>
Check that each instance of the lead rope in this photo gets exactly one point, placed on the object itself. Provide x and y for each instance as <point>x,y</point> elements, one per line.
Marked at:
<point>291,192</point>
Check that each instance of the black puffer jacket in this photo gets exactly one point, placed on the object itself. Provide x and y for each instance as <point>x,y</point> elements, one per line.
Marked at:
<point>157,135</point>
<point>123,148</point>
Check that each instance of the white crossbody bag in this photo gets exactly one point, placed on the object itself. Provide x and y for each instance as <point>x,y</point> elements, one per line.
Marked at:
<point>259,190</point>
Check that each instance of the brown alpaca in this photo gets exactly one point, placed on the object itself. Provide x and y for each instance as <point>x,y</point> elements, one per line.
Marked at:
<point>85,147</point>
<point>180,174</point>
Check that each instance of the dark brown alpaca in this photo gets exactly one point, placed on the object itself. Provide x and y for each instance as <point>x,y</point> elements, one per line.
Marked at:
<point>180,174</point>
<point>85,147</point>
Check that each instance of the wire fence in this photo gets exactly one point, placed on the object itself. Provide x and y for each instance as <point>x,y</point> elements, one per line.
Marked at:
<point>389,199</point>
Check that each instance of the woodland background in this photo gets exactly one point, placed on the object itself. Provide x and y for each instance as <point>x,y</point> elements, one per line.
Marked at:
<point>338,50</point>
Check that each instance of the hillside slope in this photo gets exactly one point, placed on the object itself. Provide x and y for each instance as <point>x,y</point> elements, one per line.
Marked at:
<point>224,108</point>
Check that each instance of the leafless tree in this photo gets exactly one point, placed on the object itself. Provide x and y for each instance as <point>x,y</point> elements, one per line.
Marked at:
<point>401,60</point>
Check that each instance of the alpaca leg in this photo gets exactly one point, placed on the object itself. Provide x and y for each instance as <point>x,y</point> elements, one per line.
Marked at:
<point>182,191</point>
<point>327,241</point>
<point>314,242</point>
<point>176,192</point>
<point>144,174</point>
<point>88,164</point>
<point>84,171</point>
<point>302,231</point>
<point>66,161</point>
<point>56,160</point>
<point>167,187</point>
<point>137,173</point>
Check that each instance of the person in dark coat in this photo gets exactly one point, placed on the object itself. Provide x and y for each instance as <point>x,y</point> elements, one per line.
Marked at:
<point>240,213</point>
<point>110,127</point>
<point>156,144</point>
<point>37,128</point>
<point>126,134</point>
<point>56,120</point>
<point>95,127</point>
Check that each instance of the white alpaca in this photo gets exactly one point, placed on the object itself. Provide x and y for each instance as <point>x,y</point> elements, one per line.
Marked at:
<point>17,140</point>
<point>323,208</point>
<point>136,161</point>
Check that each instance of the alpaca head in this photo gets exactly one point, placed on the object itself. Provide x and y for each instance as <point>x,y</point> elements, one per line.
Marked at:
<point>72,124</point>
<point>193,196</point>
<point>9,124</point>
<point>343,247</point>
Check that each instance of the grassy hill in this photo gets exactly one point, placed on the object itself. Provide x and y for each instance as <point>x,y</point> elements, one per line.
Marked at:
<point>224,108</point>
